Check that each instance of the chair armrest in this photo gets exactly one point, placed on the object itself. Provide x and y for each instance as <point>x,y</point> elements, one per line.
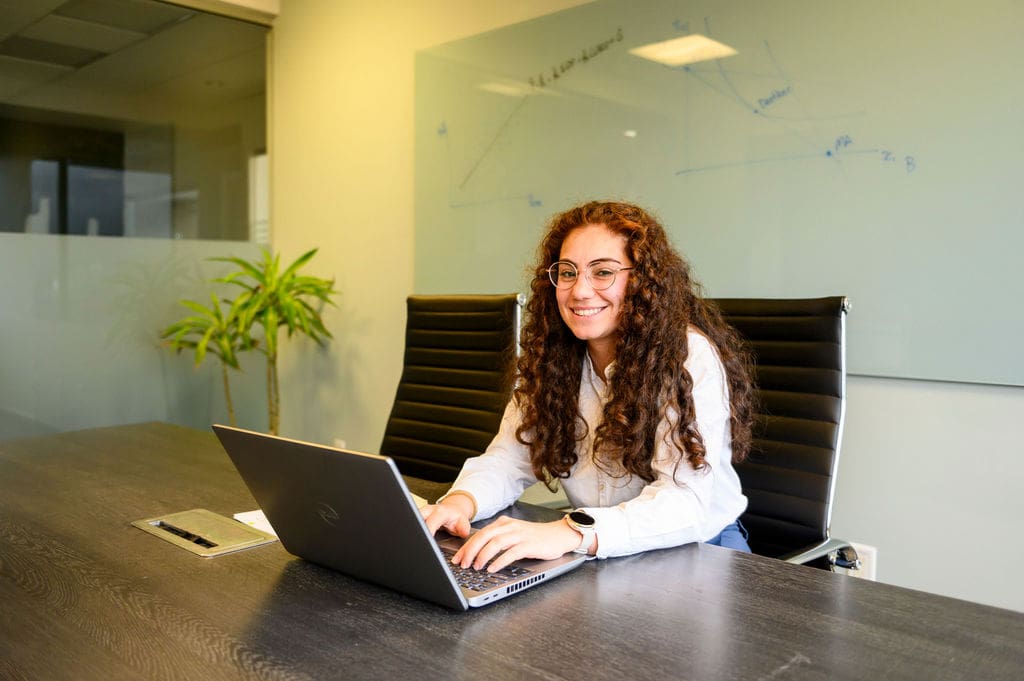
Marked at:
<point>428,489</point>
<point>825,548</point>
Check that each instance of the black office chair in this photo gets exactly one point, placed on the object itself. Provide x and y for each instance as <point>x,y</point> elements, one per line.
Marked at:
<point>456,381</point>
<point>799,348</point>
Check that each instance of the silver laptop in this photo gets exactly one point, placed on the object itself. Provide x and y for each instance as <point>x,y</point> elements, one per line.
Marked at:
<point>352,512</point>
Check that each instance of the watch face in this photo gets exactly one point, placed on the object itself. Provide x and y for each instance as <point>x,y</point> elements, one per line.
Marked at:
<point>581,518</point>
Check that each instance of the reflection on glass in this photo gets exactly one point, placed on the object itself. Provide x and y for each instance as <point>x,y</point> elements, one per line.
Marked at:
<point>127,129</point>
<point>129,118</point>
<point>45,190</point>
<point>95,201</point>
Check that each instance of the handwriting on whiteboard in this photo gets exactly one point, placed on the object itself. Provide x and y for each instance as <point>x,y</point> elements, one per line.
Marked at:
<point>586,54</point>
<point>775,96</point>
<point>844,145</point>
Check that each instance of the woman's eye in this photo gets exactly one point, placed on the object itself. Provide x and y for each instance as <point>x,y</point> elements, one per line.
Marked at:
<point>602,273</point>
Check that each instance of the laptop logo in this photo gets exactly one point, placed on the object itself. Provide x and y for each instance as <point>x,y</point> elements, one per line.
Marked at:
<point>327,513</point>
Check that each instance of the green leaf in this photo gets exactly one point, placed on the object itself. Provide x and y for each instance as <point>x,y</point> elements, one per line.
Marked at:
<point>302,260</point>
<point>202,345</point>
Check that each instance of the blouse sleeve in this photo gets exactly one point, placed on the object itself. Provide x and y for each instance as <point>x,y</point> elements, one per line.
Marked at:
<point>678,506</point>
<point>502,473</point>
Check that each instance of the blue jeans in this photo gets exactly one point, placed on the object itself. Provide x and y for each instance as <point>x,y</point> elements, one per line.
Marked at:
<point>734,536</point>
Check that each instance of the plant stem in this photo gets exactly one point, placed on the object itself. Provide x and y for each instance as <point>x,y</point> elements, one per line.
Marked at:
<point>270,397</point>
<point>275,413</point>
<point>227,393</point>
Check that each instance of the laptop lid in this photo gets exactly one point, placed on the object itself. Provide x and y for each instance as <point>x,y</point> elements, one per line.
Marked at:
<point>352,512</point>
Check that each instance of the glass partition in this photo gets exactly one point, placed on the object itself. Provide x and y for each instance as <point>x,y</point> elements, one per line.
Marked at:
<point>132,149</point>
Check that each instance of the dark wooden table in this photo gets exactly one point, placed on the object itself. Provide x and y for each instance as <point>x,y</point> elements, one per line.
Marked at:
<point>84,595</point>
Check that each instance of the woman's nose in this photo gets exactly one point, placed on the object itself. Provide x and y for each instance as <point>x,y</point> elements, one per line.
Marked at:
<point>582,286</point>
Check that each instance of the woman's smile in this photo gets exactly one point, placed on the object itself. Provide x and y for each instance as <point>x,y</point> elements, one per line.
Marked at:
<point>587,311</point>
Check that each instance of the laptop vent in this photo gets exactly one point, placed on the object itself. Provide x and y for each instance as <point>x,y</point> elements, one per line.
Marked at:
<point>525,583</point>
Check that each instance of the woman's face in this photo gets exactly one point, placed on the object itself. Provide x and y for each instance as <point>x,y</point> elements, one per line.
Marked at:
<point>593,316</point>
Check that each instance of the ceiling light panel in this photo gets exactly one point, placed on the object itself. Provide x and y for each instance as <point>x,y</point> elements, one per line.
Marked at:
<point>686,50</point>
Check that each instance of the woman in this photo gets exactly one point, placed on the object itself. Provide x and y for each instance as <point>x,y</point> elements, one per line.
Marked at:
<point>632,392</point>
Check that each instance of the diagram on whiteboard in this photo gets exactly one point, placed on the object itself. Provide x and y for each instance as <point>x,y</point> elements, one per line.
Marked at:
<point>867,149</point>
<point>771,90</point>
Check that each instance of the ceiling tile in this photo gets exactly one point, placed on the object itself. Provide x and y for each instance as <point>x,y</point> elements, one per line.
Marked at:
<point>131,15</point>
<point>29,71</point>
<point>46,52</point>
<point>84,34</point>
<point>17,14</point>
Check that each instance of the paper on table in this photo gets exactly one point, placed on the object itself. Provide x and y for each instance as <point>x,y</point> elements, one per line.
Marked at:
<point>255,519</point>
<point>258,520</point>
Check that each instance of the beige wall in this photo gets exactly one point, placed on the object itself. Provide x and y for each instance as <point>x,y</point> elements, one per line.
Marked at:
<point>341,144</point>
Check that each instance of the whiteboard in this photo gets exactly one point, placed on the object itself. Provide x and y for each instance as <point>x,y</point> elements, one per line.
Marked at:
<point>868,149</point>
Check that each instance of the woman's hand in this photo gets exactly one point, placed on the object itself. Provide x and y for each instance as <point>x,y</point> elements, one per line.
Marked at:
<point>453,514</point>
<point>507,540</point>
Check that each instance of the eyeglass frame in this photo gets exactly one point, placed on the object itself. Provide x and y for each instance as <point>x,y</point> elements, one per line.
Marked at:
<point>552,273</point>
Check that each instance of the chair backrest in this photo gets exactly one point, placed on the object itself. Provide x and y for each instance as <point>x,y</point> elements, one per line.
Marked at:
<point>799,348</point>
<point>456,381</point>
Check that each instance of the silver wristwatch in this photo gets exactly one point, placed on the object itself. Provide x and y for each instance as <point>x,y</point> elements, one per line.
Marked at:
<point>582,522</point>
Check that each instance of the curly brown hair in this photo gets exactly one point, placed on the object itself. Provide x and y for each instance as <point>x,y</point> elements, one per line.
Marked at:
<point>662,301</point>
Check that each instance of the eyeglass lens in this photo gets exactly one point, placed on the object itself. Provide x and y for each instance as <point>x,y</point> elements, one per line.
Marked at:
<point>600,275</point>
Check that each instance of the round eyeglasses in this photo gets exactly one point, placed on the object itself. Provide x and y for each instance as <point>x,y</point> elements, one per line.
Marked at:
<point>601,275</point>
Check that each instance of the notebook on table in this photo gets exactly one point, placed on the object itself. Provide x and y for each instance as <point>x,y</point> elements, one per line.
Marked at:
<point>352,512</point>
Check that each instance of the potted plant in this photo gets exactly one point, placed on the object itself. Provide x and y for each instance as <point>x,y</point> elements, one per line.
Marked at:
<point>214,331</point>
<point>271,298</point>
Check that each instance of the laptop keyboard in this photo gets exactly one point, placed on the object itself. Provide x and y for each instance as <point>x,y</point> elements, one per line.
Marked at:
<point>482,580</point>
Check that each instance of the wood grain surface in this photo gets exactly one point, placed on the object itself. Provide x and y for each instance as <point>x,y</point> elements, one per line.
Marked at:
<point>87,596</point>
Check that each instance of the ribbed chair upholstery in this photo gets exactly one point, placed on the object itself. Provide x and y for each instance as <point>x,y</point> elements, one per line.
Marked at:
<point>456,380</point>
<point>790,475</point>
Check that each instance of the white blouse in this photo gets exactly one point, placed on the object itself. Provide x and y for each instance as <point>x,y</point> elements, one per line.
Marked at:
<point>680,506</point>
